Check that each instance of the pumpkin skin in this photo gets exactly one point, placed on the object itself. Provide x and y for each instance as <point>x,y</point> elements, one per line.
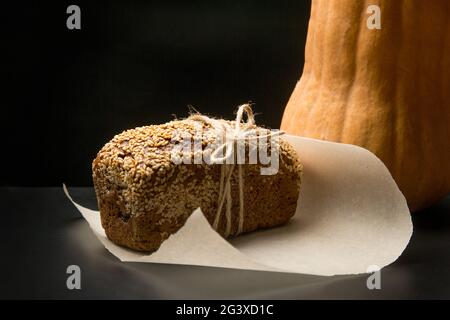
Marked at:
<point>386,90</point>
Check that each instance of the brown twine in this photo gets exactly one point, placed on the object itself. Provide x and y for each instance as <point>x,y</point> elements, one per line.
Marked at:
<point>238,132</point>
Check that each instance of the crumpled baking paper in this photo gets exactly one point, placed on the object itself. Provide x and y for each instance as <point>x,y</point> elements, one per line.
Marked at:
<point>351,218</point>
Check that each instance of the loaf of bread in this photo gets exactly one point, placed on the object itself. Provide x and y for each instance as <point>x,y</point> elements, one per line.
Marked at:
<point>144,196</point>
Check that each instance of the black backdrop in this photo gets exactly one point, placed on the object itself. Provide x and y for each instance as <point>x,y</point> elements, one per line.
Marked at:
<point>67,92</point>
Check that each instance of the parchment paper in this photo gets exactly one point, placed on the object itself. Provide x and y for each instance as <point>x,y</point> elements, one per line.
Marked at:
<point>351,218</point>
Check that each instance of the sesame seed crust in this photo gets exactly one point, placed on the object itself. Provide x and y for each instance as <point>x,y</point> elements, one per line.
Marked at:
<point>144,197</point>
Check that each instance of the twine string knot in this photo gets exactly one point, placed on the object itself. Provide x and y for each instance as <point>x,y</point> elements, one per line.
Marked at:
<point>224,154</point>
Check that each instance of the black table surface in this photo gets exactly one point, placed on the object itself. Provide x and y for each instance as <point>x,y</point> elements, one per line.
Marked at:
<point>42,234</point>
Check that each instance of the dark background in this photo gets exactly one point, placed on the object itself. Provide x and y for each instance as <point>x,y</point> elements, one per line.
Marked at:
<point>133,63</point>
<point>67,92</point>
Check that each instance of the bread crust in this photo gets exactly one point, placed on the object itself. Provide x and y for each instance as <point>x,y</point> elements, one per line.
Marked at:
<point>144,197</point>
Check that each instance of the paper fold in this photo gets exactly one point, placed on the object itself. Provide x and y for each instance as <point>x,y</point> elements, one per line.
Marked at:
<point>350,217</point>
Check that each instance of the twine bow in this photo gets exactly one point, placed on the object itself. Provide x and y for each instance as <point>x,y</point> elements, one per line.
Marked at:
<point>239,132</point>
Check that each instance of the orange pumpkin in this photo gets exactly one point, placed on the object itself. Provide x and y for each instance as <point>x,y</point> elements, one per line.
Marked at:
<point>387,90</point>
